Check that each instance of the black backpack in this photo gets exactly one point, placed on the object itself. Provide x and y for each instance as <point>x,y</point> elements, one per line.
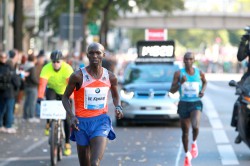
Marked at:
<point>5,78</point>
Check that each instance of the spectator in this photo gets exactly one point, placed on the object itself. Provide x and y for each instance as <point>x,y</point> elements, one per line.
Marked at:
<point>30,90</point>
<point>39,65</point>
<point>9,82</point>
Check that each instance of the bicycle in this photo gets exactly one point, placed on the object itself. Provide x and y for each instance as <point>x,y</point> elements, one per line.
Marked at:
<point>52,109</point>
<point>56,139</point>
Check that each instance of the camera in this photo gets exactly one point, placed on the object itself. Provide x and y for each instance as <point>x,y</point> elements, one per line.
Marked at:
<point>246,36</point>
<point>247,29</point>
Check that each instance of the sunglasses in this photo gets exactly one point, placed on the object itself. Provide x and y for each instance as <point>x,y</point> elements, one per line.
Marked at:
<point>56,61</point>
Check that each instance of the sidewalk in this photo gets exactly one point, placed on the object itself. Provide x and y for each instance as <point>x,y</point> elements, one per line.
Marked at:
<point>223,76</point>
<point>26,135</point>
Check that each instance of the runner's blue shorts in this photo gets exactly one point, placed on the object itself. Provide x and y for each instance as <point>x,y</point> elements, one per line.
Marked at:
<point>185,108</point>
<point>92,127</point>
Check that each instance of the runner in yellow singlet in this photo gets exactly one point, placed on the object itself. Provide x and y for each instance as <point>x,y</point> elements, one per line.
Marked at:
<point>54,79</point>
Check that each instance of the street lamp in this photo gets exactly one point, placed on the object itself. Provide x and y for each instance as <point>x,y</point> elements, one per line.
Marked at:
<point>71,25</point>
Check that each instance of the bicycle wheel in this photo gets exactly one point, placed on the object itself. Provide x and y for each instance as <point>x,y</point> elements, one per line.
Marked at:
<point>61,139</point>
<point>53,143</point>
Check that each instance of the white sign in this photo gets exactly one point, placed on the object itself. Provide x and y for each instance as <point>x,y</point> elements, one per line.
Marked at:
<point>52,109</point>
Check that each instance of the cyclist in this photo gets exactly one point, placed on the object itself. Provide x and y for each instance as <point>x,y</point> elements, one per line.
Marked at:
<point>55,75</point>
<point>91,125</point>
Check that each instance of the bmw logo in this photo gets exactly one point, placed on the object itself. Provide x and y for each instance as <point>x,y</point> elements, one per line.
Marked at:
<point>97,90</point>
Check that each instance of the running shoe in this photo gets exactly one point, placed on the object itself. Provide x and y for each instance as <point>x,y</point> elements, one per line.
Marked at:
<point>34,120</point>
<point>46,130</point>
<point>67,149</point>
<point>11,130</point>
<point>187,161</point>
<point>238,139</point>
<point>3,129</point>
<point>194,150</point>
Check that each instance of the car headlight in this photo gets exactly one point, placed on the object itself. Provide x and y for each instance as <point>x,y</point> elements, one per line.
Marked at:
<point>127,94</point>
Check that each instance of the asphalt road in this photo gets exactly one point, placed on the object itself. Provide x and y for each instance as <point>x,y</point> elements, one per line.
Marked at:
<point>147,145</point>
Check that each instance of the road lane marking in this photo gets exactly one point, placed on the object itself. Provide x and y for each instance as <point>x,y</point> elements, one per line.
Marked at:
<point>35,145</point>
<point>226,151</point>
<point>7,161</point>
<point>220,137</point>
<point>228,156</point>
<point>215,123</point>
<point>47,157</point>
<point>178,154</point>
<point>29,149</point>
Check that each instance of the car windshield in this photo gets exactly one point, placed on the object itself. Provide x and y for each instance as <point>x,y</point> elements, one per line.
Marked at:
<point>150,73</point>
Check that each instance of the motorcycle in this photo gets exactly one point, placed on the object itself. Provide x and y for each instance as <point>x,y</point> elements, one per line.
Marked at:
<point>243,109</point>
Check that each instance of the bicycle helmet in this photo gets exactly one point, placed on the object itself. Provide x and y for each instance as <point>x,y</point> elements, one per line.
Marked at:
<point>56,55</point>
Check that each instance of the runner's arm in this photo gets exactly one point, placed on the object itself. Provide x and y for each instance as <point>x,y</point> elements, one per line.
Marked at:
<point>72,95</point>
<point>68,92</point>
<point>115,95</point>
<point>114,89</point>
<point>175,84</point>
<point>204,84</point>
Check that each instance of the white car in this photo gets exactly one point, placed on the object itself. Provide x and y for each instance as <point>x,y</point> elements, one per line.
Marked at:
<point>145,93</point>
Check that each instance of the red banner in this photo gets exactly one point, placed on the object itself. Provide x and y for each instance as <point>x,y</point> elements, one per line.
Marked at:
<point>155,34</point>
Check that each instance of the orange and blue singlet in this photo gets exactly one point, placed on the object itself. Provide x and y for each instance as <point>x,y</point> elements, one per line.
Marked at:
<point>91,108</point>
<point>91,99</point>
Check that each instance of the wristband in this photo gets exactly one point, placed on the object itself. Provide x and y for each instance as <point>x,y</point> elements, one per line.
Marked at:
<point>119,108</point>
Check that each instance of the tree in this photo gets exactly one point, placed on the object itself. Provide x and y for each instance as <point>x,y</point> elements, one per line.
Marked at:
<point>18,25</point>
<point>54,9</point>
<point>105,11</point>
<point>110,10</point>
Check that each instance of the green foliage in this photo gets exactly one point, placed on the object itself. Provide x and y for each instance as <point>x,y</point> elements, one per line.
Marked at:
<point>53,11</point>
<point>197,38</point>
<point>244,6</point>
<point>234,36</point>
<point>94,8</point>
<point>135,35</point>
<point>160,5</point>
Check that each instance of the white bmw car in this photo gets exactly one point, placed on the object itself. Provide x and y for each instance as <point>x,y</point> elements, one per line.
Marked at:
<point>145,93</point>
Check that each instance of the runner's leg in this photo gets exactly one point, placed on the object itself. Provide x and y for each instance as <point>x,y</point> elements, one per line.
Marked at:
<point>185,124</point>
<point>195,120</point>
<point>98,145</point>
<point>83,155</point>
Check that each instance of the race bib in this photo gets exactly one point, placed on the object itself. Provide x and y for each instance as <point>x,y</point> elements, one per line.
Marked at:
<point>95,97</point>
<point>190,89</point>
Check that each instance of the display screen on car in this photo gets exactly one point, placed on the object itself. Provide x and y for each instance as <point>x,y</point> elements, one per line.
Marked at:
<point>155,51</point>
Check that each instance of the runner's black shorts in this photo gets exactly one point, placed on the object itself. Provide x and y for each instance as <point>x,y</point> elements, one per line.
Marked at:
<point>185,108</point>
